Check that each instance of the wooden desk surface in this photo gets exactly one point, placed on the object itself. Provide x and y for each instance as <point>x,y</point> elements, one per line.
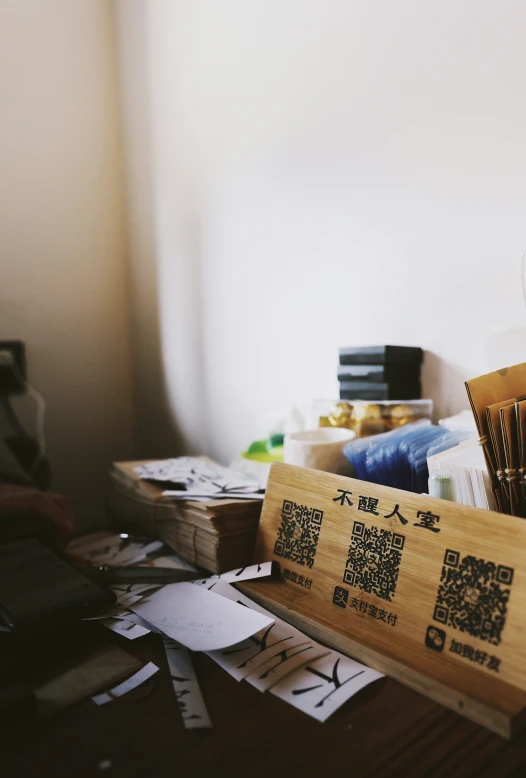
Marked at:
<point>385,730</point>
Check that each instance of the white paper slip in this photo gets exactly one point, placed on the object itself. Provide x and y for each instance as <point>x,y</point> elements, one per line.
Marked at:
<point>244,658</point>
<point>231,593</point>
<point>122,590</point>
<point>108,548</point>
<point>141,676</point>
<point>283,663</point>
<point>125,628</point>
<point>322,686</point>
<point>186,686</point>
<point>132,553</point>
<point>228,493</point>
<point>200,478</point>
<point>127,599</point>
<point>173,561</point>
<point>199,619</point>
<point>262,570</point>
<point>97,547</point>
<point>134,618</point>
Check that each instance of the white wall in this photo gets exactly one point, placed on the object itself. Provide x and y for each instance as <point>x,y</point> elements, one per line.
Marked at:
<point>324,174</point>
<point>63,286</point>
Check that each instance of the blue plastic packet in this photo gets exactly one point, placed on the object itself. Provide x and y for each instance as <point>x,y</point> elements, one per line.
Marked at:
<point>371,457</point>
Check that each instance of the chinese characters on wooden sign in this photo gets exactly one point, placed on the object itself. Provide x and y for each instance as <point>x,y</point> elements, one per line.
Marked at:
<point>373,562</point>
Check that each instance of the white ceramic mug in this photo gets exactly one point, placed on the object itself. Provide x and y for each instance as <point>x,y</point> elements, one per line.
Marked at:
<point>320,449</point>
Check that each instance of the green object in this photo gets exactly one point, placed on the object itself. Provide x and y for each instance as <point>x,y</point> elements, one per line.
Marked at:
<point>258,447</point>
<point>275,441</point>
<point>270,450</point>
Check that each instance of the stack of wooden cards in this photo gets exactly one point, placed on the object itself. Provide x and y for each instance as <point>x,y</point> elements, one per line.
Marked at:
<point>216,533</point>
<point>498,401</point>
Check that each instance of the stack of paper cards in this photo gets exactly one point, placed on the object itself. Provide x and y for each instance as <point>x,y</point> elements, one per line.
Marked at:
<point>206,513</point>
<point>466,465</point>
<point>199,478</point>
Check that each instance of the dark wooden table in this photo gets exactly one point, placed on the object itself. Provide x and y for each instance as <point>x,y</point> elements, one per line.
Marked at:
<point>385,730</point>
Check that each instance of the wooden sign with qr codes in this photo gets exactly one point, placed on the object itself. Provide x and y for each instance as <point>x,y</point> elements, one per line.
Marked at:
<point>430,592</point>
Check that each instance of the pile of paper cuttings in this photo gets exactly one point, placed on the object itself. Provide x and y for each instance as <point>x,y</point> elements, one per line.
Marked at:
<point>210,615</point>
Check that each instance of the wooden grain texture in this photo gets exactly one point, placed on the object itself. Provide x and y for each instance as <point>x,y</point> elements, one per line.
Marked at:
<point>479,667</point>
<point>385,730</point>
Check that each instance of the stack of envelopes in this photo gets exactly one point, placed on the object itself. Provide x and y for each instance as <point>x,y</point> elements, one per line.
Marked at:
<point>216,534</point>
<point>498,401</point>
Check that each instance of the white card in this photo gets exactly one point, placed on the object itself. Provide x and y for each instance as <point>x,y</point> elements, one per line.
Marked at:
<point>126,599</point>
<point>141,676</point>
<point>231,593</point>
<point>127,589</point>
<point>199,619</point>
<point>200,478</point>
<point>186,686</point>
<point>174,561</point>
<point>244,658</point>
<point>213,493</point>
<point>105,548</point>
<point>134,618</point>
<point>133,553</point>
<point>322,686</point>
<point>125,628</point>
<point>283,663</point>
<point>262,570</point>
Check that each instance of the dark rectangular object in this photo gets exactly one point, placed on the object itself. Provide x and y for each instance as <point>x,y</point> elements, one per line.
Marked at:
<point>380,355</point>
<point>39,590</point>
<point>371,390</point>
<point>12,381</point>
<point>397,373</point>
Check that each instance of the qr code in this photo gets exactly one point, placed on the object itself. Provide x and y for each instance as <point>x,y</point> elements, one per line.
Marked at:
<point>298,533</point>
<point>374,560</point>
<point>473,596</point>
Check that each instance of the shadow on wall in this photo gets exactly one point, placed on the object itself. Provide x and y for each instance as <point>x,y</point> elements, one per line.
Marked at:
<point>157,432</point>
<point>443,383</point>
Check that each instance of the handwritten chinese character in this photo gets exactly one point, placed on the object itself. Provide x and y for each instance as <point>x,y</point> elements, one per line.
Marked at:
<point>330,680</point>
<point>368,505</point>
<point>396,512</point>
<point>343,499</point>
<point>427,520</point>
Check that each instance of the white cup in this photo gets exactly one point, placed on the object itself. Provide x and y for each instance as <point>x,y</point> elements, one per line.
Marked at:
<point>319,449</point>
